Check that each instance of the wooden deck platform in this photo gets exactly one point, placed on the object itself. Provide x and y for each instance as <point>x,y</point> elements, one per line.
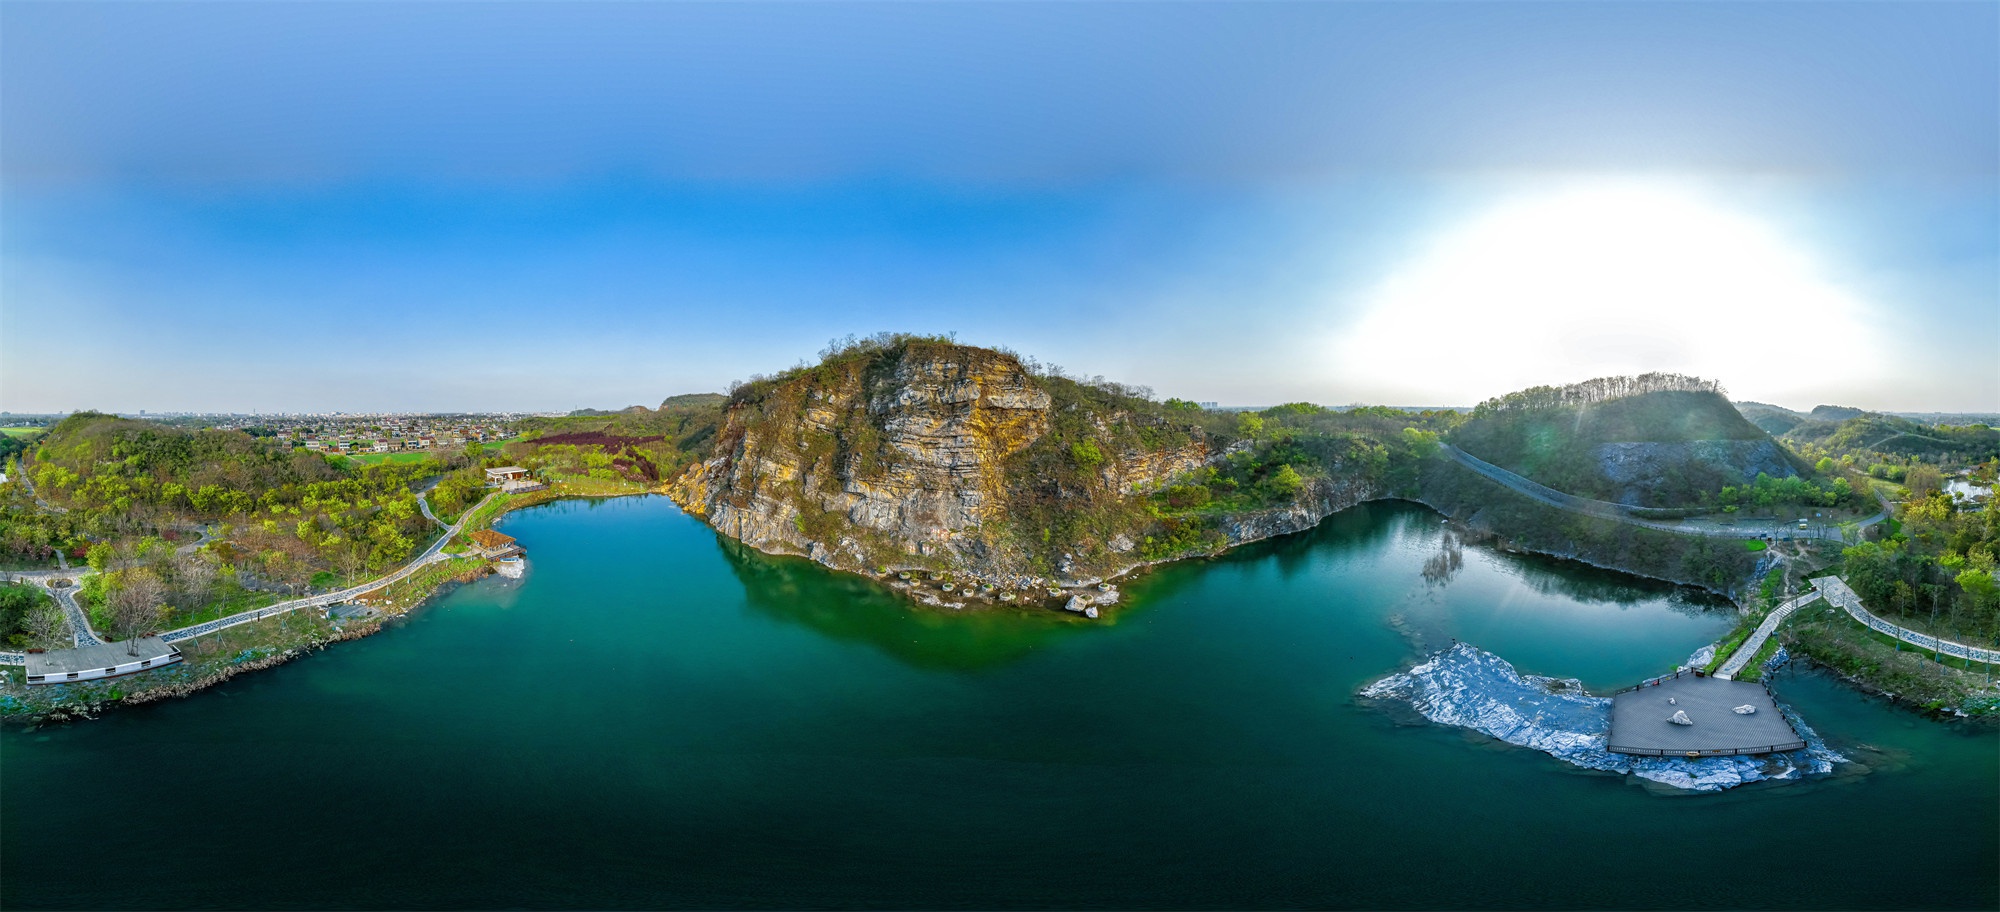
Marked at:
<point>1639,720</point>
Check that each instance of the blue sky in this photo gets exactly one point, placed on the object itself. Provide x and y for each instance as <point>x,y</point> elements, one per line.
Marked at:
<point>385,206</point>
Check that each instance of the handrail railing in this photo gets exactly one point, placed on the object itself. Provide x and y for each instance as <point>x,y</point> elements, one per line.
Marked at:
<point>1697,754</point>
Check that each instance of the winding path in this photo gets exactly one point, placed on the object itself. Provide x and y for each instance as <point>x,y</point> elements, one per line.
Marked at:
<point>1837,593</point>
<point>1755,642</point>
<point>430,555</point>
<point>79,623</point>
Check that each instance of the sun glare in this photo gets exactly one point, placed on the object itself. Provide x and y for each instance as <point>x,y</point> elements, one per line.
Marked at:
<point>1602,279</point>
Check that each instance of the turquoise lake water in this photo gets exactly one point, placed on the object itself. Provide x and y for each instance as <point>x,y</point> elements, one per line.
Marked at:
<point>657,718</point>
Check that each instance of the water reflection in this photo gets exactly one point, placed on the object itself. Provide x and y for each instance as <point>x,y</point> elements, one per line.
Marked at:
<point>847,607</point>
<point>1598,586</point>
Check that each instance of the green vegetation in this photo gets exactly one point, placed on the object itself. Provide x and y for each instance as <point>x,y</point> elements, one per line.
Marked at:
<point>1832,638</point>
<point>1754,544</point>
<point>29,617</point>
<point>1754,670</point>
<point>1767,493</point>
<point>1885,444</point>
<point>1555,434</point>
<point>368,459</point>
<point>1937,571</point>
<point>285,519</point>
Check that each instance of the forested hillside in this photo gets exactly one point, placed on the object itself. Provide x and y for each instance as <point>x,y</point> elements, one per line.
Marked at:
<point>1886,446</point>
<point>912,451</point>
<point>1657,440</point>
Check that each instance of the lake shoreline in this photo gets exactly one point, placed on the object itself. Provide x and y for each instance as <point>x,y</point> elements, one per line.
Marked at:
<point>19,706</point>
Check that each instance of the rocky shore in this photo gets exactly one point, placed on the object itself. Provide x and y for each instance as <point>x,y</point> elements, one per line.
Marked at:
<point>1469,688</point>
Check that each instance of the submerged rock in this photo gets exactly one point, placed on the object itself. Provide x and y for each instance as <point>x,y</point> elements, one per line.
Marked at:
<point>1470,688</point>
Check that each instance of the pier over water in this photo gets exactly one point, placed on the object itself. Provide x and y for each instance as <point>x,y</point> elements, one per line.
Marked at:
<point>1642,719</point>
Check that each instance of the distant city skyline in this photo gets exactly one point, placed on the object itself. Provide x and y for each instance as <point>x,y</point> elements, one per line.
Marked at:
<point>377,208</point>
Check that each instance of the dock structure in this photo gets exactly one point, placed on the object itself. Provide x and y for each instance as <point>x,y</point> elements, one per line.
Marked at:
<point>1642,719</point>
<point>105,660</point>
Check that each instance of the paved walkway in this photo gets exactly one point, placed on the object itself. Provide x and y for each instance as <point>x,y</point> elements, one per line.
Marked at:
<point>1748,650</point>
<point>430,555</point>
<point>424,504</point>
<point>1837,592</point>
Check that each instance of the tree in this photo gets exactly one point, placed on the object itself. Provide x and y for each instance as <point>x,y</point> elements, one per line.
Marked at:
<point>1249,425</point>
<point>1981,587</point>
<point>137,605</point>
<point>99,556</point>
<point>194,577</point>
<point>1287,480</point>
<point>1923,481</point>
<point>46,626</point>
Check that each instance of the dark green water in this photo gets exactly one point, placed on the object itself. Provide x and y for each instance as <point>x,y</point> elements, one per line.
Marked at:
<point>652,719</point>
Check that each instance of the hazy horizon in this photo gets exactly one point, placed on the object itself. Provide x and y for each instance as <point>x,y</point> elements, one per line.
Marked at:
<point>407,207</point>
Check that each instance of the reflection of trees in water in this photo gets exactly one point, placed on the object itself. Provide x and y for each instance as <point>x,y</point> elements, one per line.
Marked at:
<point>1597,585</point>
<point>1439,568</point>
<point>851,608</point>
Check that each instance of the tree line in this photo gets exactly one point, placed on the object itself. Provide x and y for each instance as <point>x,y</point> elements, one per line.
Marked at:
<point>1593,391</point>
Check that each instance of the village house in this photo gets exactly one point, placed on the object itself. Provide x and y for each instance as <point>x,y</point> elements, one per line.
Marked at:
<point>505,474</point>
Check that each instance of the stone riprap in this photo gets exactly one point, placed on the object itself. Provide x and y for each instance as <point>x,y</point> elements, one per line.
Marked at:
<point>1469,688</point>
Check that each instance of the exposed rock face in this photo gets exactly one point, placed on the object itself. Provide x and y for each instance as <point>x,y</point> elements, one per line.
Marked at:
<point>1639,470</point>
<point>1322,498</point>
<point>847,464</point>
<point>1135,471</point>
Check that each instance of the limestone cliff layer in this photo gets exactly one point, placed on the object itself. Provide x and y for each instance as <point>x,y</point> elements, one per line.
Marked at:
<point>903,458</point>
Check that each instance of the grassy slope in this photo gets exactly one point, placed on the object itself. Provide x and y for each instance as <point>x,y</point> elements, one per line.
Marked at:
<point>1558,446</point>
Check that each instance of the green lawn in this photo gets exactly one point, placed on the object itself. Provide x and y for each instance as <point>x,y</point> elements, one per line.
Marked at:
<point>1754,544</point>
<point>23,433</point>
<point>380,458</point>
<point>240,601</point>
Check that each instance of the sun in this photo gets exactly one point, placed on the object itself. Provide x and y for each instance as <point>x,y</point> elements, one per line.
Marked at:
<point>1606,277</point>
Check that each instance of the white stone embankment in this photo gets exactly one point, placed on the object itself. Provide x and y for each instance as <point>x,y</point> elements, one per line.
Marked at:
<point>1469,688</point>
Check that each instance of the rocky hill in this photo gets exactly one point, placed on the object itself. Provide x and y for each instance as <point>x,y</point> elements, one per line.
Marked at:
<point>932,463</point>
<point>1675,442</point>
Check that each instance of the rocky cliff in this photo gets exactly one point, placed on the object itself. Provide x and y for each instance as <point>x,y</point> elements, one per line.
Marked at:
<point>916,457</point>
<point>1321,498</point>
